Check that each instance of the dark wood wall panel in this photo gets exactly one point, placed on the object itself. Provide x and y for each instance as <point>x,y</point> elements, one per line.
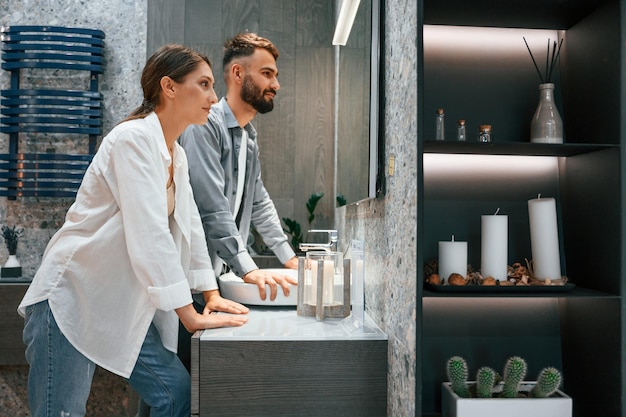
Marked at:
<point>204,22</point>
<point>239,16</point>
<point>166,23</point>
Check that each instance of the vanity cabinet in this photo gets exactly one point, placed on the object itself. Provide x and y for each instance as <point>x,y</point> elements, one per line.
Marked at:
<point>11,345</point>
<point>474,64</point>
<point>282,364</point>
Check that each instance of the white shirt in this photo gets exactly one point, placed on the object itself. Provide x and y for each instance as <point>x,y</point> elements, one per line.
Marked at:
<point>118,263</point>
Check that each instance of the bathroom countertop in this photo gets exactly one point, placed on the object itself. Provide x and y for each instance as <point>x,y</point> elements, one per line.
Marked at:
<point>281,323</point>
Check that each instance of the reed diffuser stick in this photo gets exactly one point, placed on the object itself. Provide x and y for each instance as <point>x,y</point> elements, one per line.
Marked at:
<point>547,59</point>
<point>551,61</point>
<point>556,58</point>
<point>533,58</point>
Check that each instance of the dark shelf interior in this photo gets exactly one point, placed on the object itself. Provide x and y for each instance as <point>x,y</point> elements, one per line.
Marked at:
<point>466,72</point>
<point>532,14</point>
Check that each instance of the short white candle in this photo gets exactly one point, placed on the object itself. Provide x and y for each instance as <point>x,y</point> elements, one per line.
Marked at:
<point>452,258</point>
<point>494,246</point>
<point>544,238</point>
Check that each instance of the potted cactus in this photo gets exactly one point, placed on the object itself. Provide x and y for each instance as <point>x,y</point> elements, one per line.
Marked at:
<point>492,395</point>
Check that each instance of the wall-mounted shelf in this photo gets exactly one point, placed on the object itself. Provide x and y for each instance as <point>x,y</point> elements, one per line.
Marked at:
<point>474,64</point>
<point>512,148</point>
<point>574,293</point>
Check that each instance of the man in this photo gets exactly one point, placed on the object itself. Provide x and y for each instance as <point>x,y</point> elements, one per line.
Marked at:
<point>227,184</point>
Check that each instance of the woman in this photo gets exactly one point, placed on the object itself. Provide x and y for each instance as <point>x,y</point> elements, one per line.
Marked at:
<point>116,278</point>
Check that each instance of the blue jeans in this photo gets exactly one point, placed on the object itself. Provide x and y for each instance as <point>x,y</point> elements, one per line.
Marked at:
<point>59,379</point>
<point>184,354</point>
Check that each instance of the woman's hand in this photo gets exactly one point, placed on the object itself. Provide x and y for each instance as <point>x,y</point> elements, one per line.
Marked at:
<point>194,321</point>
<point>215,302</point>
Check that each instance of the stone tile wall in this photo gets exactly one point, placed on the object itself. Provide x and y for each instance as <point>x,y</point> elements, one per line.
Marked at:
<point>389,225</point>
<point>124,23</point>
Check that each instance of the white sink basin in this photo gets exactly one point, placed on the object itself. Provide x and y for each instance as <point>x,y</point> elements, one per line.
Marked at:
<point>233,288</point>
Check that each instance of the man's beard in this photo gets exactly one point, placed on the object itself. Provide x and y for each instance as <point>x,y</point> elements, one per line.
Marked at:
<point>251,94</point>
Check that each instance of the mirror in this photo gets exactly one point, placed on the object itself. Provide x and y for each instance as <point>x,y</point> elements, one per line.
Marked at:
<point>323,103</point>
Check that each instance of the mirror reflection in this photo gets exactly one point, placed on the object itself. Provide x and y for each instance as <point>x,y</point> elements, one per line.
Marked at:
<point>321,114</point>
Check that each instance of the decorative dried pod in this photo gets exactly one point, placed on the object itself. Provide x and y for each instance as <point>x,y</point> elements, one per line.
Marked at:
<point>506,283</point>
<point>518,271</point>
<point>456,279</point>
<point>488,281</point>
<point>473,278</point>
<point>433,279</point>
<point>431,267</point>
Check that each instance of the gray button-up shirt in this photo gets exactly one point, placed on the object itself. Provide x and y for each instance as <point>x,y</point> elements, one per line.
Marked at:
<point>212,151</point>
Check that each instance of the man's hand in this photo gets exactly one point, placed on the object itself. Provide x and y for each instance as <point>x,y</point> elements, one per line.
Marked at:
<point>261,278</point>
<point>292,263</point>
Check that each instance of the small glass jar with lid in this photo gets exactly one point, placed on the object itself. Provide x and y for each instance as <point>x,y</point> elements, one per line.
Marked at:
<point>439,125</point>
<point>484,133</point>
<point>460,131</point>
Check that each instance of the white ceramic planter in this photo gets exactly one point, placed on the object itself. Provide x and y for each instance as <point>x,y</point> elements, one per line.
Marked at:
<point>454,406</point>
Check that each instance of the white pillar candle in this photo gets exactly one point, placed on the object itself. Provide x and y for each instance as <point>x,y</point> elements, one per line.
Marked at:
<point>452,258</point>
<point>328,285</point>
<point>544,238</point>
<point>310,289</point>
<point>494,246</point>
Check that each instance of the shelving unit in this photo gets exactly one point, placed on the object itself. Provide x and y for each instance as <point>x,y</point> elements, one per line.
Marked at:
<point>462,71</point>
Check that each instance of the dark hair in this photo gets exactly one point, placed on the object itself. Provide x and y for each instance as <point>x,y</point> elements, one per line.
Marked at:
<point>243,45</point>
<point>174,61</point>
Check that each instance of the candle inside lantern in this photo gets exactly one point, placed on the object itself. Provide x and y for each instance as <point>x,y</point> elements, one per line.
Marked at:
<point>544,238</point>
<point>328,286</point>
<point>324,266</point>
<point>310,282</point>
<point>494,246</point>
<point>452,258</point>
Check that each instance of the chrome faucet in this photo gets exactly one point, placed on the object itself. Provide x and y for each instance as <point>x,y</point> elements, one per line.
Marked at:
<point>328,244</point>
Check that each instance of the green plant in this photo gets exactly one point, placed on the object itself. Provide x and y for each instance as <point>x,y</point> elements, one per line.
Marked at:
<point>514,374</point>
<point>311,204</point>
<point>457,374</point>
<point>11,236</point>
<point>548,382</point>
<point>294,230</point>
<point>293,227</point>
<point>486,378</point>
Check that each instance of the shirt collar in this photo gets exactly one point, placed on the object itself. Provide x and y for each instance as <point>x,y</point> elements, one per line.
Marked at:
<point>231,120</point>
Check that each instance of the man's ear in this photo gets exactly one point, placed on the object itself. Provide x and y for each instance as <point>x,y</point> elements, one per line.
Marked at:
<point>237,73</point>
<point>168,87</point>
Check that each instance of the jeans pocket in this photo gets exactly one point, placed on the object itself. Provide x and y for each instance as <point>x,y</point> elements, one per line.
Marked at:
<point>28,311</point>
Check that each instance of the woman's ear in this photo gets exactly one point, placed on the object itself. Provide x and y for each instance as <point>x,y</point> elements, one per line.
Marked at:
<point>168,87</point>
